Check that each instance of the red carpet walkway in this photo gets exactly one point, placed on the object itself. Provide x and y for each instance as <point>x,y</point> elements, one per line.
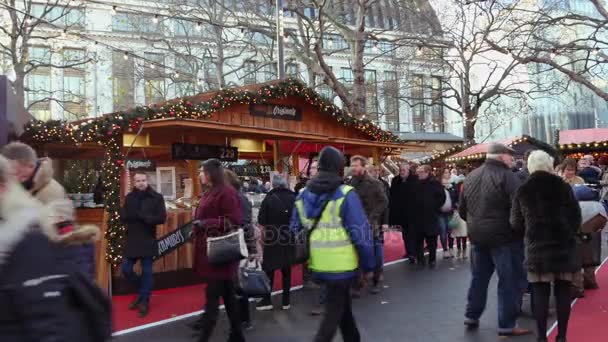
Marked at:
<point>589,317</point>
<point>171,303</point>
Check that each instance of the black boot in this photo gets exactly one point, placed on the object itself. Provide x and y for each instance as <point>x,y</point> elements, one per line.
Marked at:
<point>143,309</point>
<point>135,304</point>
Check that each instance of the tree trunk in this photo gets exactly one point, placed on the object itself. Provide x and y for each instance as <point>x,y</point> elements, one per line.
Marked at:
<point>469,128</point>
<point>359,91</point>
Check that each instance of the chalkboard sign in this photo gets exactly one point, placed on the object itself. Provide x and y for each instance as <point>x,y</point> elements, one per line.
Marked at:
<point>141,165</point>
<point>276,111</point>
<point>202,152</point>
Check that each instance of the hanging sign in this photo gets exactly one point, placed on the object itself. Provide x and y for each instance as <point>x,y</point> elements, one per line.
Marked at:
<point>276,111</point>
<point>174,239</point>
<point>181,151</point>
<point>141,165</point>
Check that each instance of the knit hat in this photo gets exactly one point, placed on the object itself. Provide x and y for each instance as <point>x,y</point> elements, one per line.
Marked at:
<point>331,160</point>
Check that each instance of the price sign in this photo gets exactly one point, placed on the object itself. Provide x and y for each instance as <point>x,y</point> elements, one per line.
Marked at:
<point>181,151</point>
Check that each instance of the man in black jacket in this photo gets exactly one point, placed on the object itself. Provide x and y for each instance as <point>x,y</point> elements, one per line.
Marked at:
<point>144,209</point>
<point>430,196</point>
<point>485,204</point>
<point>400,198</point>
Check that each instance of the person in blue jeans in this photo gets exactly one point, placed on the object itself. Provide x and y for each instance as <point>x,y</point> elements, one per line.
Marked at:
<point>485,204</point>
<point>143,210</point>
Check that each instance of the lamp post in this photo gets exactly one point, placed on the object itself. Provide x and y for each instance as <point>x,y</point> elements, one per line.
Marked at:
<point>280,40</point>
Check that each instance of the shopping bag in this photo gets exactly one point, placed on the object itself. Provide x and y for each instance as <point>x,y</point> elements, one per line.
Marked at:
<point>252,280</point>
<point>227,248</point>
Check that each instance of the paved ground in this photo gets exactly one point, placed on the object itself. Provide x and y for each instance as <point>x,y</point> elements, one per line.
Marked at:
<point>418,305</point>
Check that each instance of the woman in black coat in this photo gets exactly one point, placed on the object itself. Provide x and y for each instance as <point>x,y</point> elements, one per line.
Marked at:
<point>274,216</point>
<point>546,211</point>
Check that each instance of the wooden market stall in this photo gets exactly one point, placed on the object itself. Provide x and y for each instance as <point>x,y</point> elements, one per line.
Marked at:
<point>576,143</point>
<point>269,122</point>
<point>476,154</point>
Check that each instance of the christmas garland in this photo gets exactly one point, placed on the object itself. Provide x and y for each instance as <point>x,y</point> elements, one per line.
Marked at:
<point>107,131</point>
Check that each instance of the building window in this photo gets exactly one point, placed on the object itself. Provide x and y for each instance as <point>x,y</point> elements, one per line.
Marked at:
<point>187,28</point>
<point>58,15</point>
<point>250,71</point>
<point>334,42</point>
<point>74,77</point>
<point>292,70</point>
<point>39,83</point>
<point>123,85</point>
<point>210,73</point>
<point>185,81</point>
<point>371,96</point>
<point>154,80</point>
<point>417,98</point>
<point>310,12</point>
<point>391,100</point>
<point>130,22</point>
<point>346,76</point>
<point>322,88</point>
<point>437,117</point>
<point>270,72</point>
<point>166,185</point>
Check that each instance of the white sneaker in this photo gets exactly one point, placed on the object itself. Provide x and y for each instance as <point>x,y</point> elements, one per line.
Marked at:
<point>286,307</point>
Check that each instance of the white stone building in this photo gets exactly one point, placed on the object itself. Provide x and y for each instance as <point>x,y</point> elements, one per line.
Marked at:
<point>135,48</point>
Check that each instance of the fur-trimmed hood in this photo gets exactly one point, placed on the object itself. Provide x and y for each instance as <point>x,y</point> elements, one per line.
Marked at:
<point>19,212</point>
<point>44,187</point>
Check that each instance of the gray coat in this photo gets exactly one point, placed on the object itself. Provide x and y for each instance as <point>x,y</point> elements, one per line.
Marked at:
<point>485,204</point>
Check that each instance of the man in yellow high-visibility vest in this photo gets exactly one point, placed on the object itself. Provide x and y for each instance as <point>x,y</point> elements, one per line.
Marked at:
<point>340,243</point>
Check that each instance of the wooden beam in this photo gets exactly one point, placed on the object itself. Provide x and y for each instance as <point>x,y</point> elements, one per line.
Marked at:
<point>239,129</point>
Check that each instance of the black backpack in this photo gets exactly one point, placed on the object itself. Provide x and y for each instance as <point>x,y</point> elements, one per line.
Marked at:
<point>94,305</point>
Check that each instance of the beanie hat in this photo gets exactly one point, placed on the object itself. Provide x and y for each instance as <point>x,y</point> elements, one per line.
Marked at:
<point>331,160</point>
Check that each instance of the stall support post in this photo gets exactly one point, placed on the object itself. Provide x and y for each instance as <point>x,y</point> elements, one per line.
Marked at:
<point>376,155</point>
<point>275,155</point>
<point>295,162</point>
<point>193,174</point>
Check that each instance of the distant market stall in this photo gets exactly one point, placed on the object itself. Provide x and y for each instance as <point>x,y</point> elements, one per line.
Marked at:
<point>253,129</point>
<point>475,154</point>
<point>576,143</point>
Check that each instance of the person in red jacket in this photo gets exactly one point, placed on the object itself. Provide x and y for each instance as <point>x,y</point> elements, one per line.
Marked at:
<point>218,211</point>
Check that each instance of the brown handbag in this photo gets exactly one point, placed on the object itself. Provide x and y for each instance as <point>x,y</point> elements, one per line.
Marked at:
<point>595,224</point>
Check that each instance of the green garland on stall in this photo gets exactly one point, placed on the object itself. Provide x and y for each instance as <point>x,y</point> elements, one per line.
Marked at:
<point>107,130</point>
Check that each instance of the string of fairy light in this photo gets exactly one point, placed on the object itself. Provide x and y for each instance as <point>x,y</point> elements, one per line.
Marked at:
<point>107,132</point>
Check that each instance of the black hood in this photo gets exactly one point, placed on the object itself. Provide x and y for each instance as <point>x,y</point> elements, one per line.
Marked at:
<point>324,182</point>
<point>331,160</point>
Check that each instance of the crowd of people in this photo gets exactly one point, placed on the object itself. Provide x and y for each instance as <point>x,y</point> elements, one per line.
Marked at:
<point>533,223</point>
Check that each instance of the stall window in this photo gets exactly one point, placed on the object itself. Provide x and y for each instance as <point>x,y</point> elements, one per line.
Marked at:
<point>165,182</point>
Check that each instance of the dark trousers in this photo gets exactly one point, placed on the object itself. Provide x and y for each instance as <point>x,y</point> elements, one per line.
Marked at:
<point>431,243</point>
<point>226,290</point>
<point>338,313</point>
<point>408,241</point>
<point>144,282</point>
<point>506,261</point>
<point>542,292</point>
<point>461,243</point>
<point>286,278</point>
<point>244,309</point>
